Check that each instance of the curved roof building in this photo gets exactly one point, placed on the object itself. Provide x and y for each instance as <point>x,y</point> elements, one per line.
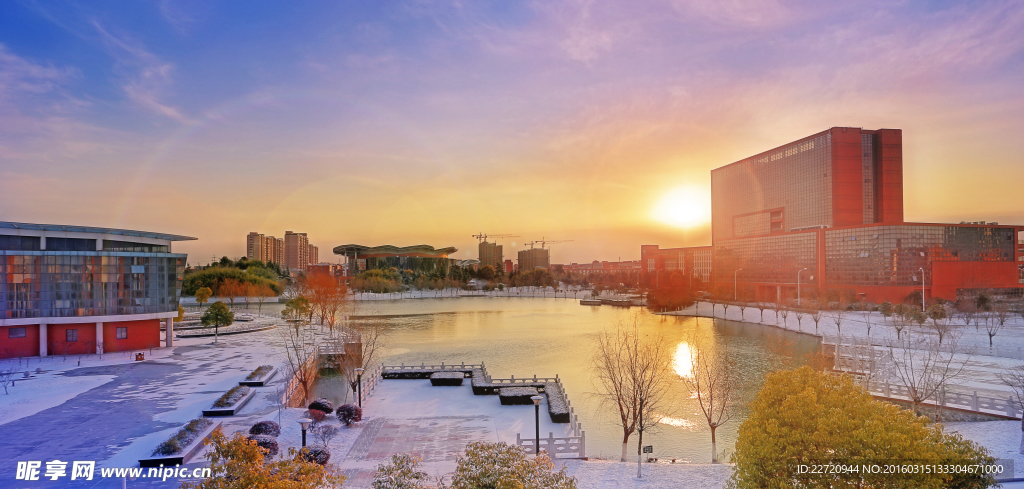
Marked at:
<point>421,258</point>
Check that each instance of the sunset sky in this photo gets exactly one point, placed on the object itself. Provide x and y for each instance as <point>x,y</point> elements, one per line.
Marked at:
<point>426,122</point>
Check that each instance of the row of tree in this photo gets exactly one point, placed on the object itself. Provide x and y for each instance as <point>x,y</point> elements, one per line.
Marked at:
<point>800,417</point>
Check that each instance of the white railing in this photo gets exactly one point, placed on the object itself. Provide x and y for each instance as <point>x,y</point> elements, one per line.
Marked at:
<point>556,447</point>
<point>875,363</point>
<point>371,381</point>
<point>989,351</point>
<point>999,406</point>
<point>571,446</point>
<point>423,366</point>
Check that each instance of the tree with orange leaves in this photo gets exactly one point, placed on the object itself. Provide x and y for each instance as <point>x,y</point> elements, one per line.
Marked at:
<point>327,295</point>
<point>229,289</point>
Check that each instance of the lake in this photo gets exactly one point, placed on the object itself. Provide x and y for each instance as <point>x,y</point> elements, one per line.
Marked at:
<point>528,336</point>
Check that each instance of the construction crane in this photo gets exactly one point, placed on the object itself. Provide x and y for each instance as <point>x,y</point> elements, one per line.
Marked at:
<point>483,237</point>
<point>544,242</point>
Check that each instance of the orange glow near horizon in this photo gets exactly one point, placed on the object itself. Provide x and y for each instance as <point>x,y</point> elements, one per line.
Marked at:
<point>683,207</point>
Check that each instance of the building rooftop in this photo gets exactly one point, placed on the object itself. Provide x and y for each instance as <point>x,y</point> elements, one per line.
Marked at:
<point>354,249</point>
<point>88,229</point>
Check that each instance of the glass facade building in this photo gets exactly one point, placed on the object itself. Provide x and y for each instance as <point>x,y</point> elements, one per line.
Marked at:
<point>766,259</point>
<point>895,255</point>
<point>829,207</point>
<point>840,177</point>
<point>36,284</point>
<point>75,289</point>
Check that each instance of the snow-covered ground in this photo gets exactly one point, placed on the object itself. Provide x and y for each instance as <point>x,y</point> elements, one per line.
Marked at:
<point>126,408</point>
<point>1001,438</point>
<point>980,373</point>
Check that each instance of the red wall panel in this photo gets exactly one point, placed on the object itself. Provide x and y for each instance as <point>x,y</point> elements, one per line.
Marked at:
<point>19,347</point>
<point>947,276</point>
<point>847,177</point>
<point>57,333</point>
<point>889,175</point>
<point>141,335</point>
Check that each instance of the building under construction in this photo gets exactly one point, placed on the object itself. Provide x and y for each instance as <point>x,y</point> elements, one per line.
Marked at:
<point>491,254</point>
<point>534,258</point>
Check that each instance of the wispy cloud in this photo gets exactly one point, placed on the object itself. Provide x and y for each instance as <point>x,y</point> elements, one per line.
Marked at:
<point>148,78</point>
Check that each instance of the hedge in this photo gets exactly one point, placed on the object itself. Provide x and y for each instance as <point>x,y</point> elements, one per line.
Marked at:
<point>213,277</point>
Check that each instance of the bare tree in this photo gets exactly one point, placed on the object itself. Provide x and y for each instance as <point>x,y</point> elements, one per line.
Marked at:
<point>371,335</point>
<point>761,306</point>
<point>924,366</point>
<point>816,316</point>
<point>901,316</point>
<point>867,317</point>
<point>992,326</point>
<point>777,306</point>
<point>837,311</point>
<point>303,359</point>
<point>784,312</point>
<point>799,318</point>
<point>6,378</point>
<point>713,381</point>
<point>940,320</point>
<point>966,310</point>
<point>631,370</point>
<point>1013,377</point>
<point>324,433</point>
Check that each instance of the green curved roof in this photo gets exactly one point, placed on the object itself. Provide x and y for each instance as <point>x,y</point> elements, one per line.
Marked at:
<point>354,250</point>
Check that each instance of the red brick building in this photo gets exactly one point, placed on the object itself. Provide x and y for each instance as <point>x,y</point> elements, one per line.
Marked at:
<point>826,211</point>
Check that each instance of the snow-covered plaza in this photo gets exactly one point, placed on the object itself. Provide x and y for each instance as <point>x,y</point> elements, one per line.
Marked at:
<point>116,410</point>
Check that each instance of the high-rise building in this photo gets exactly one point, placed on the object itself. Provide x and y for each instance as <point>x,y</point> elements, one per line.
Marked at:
<point>844,176</point>
<point>296,251</point>
<point>264,248</point>
<point>509,267</point>
<point>826,212</point>
<point>534,258</point>
<point>491,254</point>
<point>254,246</point>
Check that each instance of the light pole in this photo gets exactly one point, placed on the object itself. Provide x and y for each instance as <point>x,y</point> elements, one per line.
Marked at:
<point>922,289</point>
<point>304,422</point>
<point>798,286</point>
<point>359,385</point>
<point>735,290</point>
<point>536,419</point>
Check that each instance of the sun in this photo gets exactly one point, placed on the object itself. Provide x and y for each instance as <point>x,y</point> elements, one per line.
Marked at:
<point>682,207</point>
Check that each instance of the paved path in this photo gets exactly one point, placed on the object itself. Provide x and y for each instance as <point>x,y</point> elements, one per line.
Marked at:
<point>143,399</point>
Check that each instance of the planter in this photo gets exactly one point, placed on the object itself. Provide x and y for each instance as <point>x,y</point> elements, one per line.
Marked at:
<point>447,378</point>
<point>231,410</point>
<point>186,453</point>
<point>517,395</point>
<point>260,382</point>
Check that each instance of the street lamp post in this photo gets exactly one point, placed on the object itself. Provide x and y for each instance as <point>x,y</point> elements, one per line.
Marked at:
<point>536,419</point>
<point>359,385</point>
<point>798,286</point>
<point>923,308</point>
<point>304,422</point>
<point>735,290</point>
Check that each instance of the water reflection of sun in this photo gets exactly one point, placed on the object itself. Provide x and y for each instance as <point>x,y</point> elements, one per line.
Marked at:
<point>681,361</point>
<point>677,422</point>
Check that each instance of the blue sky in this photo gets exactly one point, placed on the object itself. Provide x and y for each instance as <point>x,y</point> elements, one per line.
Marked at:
<point>426,122</point>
